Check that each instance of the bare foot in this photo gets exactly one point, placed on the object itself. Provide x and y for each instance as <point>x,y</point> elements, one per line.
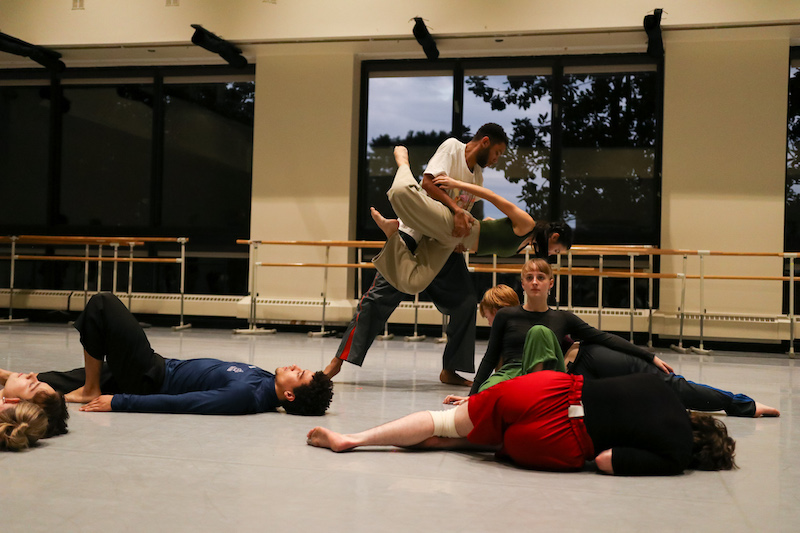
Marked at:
<point>333,367</point>
<point>325,438</point>
<point>451,378</point>
<point>401,155</point>
<point>81,395</point>
<point>765,410</point>
<point>389,226</point>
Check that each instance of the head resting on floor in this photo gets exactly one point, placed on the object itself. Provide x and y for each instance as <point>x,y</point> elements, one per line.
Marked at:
<point>712,448</point>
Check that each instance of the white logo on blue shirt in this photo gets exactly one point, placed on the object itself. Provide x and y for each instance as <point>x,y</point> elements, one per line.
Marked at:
<point>233,368</point>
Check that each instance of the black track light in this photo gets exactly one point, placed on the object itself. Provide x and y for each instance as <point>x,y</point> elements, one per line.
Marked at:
<point>226,50</point>
<point>652,26</point>
<point>49,59</point>
<point>425,39</point>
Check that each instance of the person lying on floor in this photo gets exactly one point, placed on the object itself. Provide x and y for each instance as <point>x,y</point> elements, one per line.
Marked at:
<point>629,425</point>
<point>136,378</point>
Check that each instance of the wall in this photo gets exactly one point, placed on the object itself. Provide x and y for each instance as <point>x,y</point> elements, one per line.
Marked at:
<point>724,115</point>
<point>725,105</point>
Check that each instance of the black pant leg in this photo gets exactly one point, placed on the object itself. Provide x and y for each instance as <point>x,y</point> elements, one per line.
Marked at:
<point>453,293</point>
<point>595,361</point>
<point>109,331</point>
<point>65,382</point>
<point>374,309</point>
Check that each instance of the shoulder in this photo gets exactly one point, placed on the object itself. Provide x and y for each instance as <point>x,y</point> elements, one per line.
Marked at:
<point>508,312</point>
<point>452,144</point>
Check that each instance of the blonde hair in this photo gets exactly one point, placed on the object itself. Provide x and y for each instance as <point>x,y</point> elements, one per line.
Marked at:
<point>537,264</point>
<point>21,426</point>
<point>498,297</point>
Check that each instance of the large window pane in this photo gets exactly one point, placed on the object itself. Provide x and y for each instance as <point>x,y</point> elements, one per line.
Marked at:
<point>792,238</point>
<point>520,101</point>
<point>208,147</point>
<point>106,154</point>
<point>608,156</point>
<point>24,131</point>
<point>412,110</point>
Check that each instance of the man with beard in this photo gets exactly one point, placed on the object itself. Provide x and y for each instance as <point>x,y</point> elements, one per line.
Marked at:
<point>452,290</point>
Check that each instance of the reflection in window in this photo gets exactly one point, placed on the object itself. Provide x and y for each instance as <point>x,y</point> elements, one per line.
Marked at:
<point>107,139</point>
<point>521,103</point>
<point>608,156</point>
<point>792,237</point>
<point>208,147</point>
<point>24,116</point>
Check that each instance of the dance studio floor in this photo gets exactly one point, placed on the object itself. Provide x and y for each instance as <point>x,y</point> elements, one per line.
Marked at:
<point>147,472</point>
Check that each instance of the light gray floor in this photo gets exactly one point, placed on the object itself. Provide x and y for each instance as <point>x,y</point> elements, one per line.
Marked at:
<point>142,472</point>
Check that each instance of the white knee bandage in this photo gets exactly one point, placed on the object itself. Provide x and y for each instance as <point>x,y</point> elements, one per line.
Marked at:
<point>444,423</point>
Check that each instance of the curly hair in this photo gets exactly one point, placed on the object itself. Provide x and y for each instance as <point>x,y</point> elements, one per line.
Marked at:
<point>21,426</point>
<point>55,407</point>
<point>712,448</point>
<point>312,399</point>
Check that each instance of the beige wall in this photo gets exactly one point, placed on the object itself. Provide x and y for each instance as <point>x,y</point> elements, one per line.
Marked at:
<point>724,106</point>
<point>303,166</point>
<point>725,165</point>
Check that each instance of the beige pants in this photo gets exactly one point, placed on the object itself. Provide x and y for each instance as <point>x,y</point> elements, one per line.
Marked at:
<point>412,273</point>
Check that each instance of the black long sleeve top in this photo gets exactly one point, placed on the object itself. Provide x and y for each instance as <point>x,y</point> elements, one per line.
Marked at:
<point>511,324</point>
<point>642,421</point>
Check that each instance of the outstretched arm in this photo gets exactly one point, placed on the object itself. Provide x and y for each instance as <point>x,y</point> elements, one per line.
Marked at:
<point>521,221</point>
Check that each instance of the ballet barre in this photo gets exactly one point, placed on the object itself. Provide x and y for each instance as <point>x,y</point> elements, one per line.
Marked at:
<point>100,242</point>
<point>252,328</point>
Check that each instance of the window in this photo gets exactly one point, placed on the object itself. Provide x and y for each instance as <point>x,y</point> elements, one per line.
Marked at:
<point>791,237</point>
<point>107,137</point>
<point>792,227</point>
<point>584,140</point>
<point>412,109</point>
<point>24,132</point>
<point>107,152</point>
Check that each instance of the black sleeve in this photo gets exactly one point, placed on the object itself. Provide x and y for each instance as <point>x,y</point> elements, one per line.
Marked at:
<point>582,331</point>
<point>636,462</point>
<point>493,350</point>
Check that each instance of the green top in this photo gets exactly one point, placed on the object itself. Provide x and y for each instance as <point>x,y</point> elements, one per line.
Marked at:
<point>498,237</point>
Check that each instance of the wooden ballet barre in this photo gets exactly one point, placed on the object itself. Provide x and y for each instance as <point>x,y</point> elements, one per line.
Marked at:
<point>77,239</point>
<point>87,241</point>
<point>341,244</point>
<point>332,265</point>
<point>741,278</point>
<point>98,259</point>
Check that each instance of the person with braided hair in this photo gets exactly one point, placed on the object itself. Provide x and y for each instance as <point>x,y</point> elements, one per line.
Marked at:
<point>26,386</point>
<point>22,424</point>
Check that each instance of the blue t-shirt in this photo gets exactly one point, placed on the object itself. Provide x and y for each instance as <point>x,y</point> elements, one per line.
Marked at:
<point>206,386</point>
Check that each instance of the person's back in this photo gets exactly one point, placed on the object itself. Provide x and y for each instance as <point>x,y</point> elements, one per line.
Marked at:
<point>642,420</point>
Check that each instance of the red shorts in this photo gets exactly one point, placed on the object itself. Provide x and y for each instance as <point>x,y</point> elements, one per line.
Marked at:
<point>528,415</point>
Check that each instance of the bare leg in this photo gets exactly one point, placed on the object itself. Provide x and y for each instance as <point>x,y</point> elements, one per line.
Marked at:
<point>90,389</point>
<point>451,378</point>
<point>389,226</point>
<point>333,367</point>
<point>765,410</point>
<point>408,431</point>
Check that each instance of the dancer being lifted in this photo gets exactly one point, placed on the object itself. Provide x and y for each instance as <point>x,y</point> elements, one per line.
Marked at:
<point>412,272</point>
